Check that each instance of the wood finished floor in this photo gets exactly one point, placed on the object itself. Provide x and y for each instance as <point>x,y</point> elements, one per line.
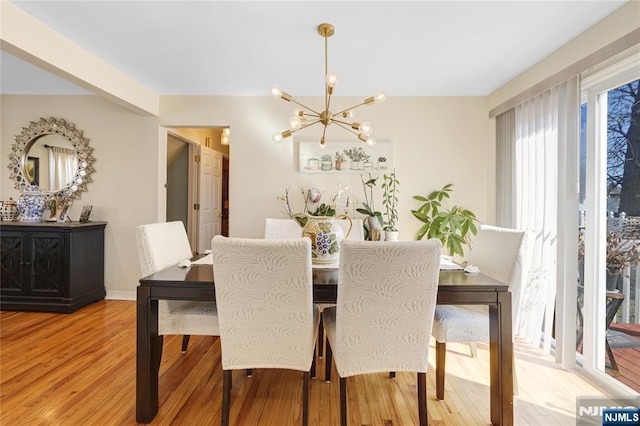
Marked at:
<point>79,369</point>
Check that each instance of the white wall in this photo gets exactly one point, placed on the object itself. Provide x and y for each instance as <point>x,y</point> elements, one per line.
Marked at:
<point>436,141</point>
<point>123,191</point>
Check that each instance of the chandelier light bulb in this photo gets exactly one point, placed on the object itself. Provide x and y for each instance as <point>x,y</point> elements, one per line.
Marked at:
<point>277,137</point>
<point>371,141</point>
<point>295,122</point>
<point>347,114</point>
<point>298,112</point>
<point>365,128</point>
<point>332,79</point>
<point>380,97</point>
<point>276,90</point>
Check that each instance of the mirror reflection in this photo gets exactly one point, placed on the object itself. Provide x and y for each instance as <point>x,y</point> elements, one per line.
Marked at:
<point>54,155</point>
<point>50,162</point>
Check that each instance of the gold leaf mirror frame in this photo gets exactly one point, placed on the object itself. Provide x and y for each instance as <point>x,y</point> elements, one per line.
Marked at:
<point>62,128</point>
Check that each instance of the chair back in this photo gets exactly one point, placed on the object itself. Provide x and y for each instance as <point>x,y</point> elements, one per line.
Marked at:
<point>385,305</point>
<point>161,245</point>
<point>264,295</point>
<point>281,229</point>
<point>505,255</point>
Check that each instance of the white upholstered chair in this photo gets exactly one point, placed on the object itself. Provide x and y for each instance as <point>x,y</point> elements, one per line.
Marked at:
<point>275,229</point>
<point>502,254</point>
<point>264,294</point>
<point>161,245</point>
<point>384,311</point>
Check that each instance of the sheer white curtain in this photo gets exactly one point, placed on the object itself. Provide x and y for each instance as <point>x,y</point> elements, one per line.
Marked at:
<point>532,159</point>
<point>62,167</point>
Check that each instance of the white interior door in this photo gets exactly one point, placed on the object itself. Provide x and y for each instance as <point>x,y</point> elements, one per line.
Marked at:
<point>209,195</point>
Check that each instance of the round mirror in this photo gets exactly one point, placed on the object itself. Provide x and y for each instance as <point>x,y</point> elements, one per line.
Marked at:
<point>53,155</point>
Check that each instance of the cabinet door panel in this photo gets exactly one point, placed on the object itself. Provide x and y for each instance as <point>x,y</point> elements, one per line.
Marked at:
<point>12,260</point>
<point>47,254</point>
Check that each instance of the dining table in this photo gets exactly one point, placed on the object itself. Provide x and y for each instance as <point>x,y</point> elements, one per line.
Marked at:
<point>196,281</point>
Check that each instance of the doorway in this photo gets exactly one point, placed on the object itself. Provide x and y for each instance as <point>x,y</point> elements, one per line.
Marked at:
<point>197,184</point>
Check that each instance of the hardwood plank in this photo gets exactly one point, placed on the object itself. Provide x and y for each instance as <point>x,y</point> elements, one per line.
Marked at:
<point>80,369</point>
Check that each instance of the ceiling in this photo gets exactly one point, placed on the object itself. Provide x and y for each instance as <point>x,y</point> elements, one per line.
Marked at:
<point>416,48</point>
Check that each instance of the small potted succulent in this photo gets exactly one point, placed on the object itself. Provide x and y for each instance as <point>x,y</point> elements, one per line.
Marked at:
<point>341,161</point>
<point>357,157</point>
<point>382,163</point>
<point>326,163</point>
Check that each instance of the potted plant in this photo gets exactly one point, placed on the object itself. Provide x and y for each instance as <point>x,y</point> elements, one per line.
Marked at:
<point>621,253</point>
<point>326,164</point>
<point>357,157</point>
<point>341,161</point>
<point>382,163</point>
<point>374,218</point>
<point>390,202</point>
<point>451,225</point>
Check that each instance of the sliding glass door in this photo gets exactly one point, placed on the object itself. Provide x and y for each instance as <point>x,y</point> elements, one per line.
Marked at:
<point>609,195</point>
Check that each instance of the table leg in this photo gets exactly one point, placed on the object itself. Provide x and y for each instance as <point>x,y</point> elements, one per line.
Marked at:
<point>501,357</point>
<point>148,355</point>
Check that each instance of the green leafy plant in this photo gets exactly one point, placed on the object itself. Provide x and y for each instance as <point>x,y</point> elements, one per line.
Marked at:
<point>453,226</point>
<point>323,210</point>
<point>357,154</point>
<point>390,200</point>
<point>368,207</point>
<point>326,157</point>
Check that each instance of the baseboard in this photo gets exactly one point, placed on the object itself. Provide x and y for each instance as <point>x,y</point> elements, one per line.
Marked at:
<point>121,295</point>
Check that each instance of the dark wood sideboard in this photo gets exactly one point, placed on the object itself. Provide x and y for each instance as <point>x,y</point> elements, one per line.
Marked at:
<point>49,266</point>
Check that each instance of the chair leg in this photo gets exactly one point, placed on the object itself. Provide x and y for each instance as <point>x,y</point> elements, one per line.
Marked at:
<point>321,338</point>
<point>305,399</point>
<point>422,398</point>
<point>327,363</point>
<point>474,349</point>
<point>249,372</point>
<point>185,342</point>
<point>313,365</point>
<point>441,353</point>
<point>392,374</point>
<point>226,396</point>
<point>343,401</point>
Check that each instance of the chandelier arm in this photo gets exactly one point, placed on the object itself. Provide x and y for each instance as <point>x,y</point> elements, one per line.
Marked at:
<point>307,125</point>
<point>350,108</point>
<point>333,120</point>
<point>339,124</point>
<point>304,106</point>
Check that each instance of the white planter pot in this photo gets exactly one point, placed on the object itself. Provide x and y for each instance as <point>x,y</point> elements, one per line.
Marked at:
<point>391,235</point>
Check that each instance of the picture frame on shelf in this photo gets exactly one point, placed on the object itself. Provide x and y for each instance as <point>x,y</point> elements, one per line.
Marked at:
<point>86,212</point>
<point>64,207</point>
<point>345,157</point>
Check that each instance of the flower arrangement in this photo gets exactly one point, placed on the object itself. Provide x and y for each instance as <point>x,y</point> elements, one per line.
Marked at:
<point>368,207</point>
<point>310,201</point>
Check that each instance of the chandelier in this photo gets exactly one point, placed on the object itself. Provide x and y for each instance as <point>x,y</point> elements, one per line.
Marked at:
<point>307,117</point>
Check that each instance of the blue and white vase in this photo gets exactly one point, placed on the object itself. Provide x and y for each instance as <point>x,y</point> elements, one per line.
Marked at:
<point>31,204</point>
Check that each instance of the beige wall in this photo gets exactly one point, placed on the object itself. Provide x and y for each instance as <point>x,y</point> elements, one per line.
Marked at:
<point>124,184</point>
<point>436,141</point>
